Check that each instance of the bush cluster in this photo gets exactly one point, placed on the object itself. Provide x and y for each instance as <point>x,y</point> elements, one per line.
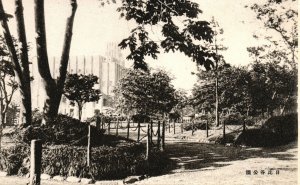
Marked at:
<point>233,119</point>
<point>198,125</point>
<point>277,130</point>
<point>12,160</point>
<point>65,152</point>
<point>106,162</point>
<point>285,127</point>
<point>60,130</point>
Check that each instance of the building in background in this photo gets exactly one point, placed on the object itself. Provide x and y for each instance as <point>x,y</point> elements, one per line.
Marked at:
<point>108,69</point>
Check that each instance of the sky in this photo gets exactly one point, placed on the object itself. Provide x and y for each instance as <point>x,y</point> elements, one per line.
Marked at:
<point>95,26</point>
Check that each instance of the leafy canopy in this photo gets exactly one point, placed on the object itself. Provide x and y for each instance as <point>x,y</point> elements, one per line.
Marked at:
<point>79,88</point>
<point>188,37</point>
<point>145,93</point>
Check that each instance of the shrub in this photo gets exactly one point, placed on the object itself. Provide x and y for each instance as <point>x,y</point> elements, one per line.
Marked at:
<point>11,160</point>
<point>285,127</point>
<point>140,118</point>
<point>229,138</point>
<point>276,131</point>
<point>257,138</point>
<point>198,125</point>
<point>60,130</point>
<point>249,121</point>
<point>233,119</point>
<point>106,162</point>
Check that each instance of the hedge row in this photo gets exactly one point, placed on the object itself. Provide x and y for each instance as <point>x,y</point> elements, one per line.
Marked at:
<point>277,130</point>
<point>106,162</point>
<point>64,130</point>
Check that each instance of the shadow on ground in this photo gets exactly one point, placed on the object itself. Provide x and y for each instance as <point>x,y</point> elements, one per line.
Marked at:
<point>202,156</point>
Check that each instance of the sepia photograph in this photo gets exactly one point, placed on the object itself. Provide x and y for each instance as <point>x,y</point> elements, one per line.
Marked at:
<point>149,92</point>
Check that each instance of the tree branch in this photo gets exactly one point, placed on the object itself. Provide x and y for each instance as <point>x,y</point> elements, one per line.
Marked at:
<point>41,44</point>
<point>66,48</point>
<point>22,38</point>
<point>10,44</point>
<point>168,7</point>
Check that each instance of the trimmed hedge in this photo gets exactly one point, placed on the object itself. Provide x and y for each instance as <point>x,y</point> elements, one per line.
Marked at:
<point>286,127</point>
<point>198,125</point>
<point>277,130</point>
<point>233,119</point>
<point>65,130</point>
<point>106,162</point>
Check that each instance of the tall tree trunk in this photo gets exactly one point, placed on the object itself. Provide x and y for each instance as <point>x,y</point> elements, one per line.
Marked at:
<point>217,101</point>
<point>65,54</point>
<point>23,75</point>
<point>158,135</point>
<point>42,60</point>
<point>53,90</point>
<point>24,61</point>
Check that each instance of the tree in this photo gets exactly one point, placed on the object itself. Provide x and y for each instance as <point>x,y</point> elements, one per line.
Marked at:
<point>54,88</point>
<point>182,102</point>
<point>20,61</point>
<point>272,86</point>
<point>79,89</point>
<point>281,17</point>
<point>143,93</point>
<point>148,13</point>
<point>8,85</point>
<point>235,89</point>
<point>218,64</point>
<point>145,13</point>
<point>278,60</point>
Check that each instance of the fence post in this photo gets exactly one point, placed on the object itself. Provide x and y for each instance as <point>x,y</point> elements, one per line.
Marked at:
<point>158,134</point>
<point>148,141</point>
<point>117,127</point>
<point>163,135</point>
<point>108,128</point>
<point>89,147</point>
<point>35,162</point>
<point>192,127</point>
<point>181,127</point>
<point>224,134</point>
<point>174,126</point>
<point>98,123</point>
<point>139,127</point>
<point>151,130</point>
<point>206,128</point>
<point>128,126</point>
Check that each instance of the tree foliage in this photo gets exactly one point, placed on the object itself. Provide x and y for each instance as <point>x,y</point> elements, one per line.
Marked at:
<point>79,88</point>
<point>280,17</point>
<point>185,37</point>
<point>8,84</point>
<point>145,93</point>
<point>258,88</point>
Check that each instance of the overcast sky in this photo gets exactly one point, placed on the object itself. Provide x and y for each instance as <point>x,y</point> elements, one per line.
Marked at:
<point>94,26</point>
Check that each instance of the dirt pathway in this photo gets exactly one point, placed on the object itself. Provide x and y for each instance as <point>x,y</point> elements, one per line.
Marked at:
<point>197,163</point>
